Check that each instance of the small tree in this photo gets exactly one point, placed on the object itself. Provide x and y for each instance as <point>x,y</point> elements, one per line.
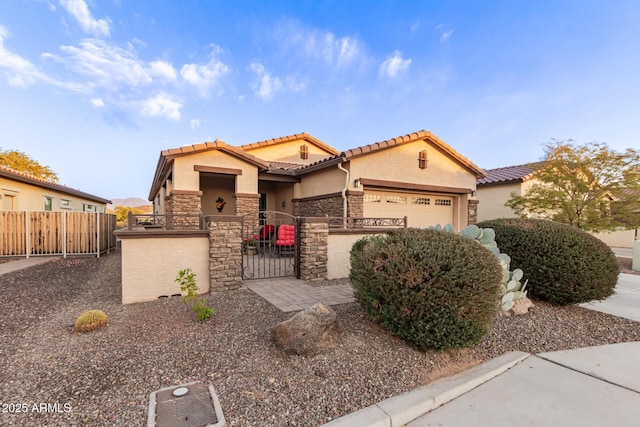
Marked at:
<point>590,187</point>
<point>21,162</point>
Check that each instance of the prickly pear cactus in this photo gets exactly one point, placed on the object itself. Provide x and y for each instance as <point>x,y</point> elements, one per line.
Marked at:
<point>512,287</point>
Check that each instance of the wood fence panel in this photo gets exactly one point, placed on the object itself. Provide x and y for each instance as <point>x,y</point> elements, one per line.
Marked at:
<point>56,233</point>
<point>13,229</point>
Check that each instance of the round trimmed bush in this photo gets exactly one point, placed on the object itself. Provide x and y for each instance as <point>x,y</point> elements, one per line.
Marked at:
<point>434,289</point>
<point>564,265</point>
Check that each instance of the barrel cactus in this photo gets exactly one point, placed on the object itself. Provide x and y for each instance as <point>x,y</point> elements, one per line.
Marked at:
<point>91,320</point>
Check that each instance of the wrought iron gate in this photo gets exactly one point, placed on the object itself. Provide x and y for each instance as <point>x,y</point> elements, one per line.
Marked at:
<point>270,245</point>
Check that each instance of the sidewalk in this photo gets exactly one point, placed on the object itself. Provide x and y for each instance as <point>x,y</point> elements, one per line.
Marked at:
<point>593,386</point>
<point>11,266</point>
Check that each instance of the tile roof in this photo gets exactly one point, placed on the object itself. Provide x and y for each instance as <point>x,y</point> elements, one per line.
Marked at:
<point>508,174</point>
<point>15,175</point>
<point>382,145</point>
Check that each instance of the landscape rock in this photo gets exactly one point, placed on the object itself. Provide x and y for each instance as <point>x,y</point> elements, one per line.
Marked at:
<point>309,332</point>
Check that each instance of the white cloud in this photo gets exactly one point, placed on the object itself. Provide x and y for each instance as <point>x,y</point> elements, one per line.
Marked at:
<point>79,10</point>
<point>322,45</point>
<point>444,33</point>
<point>23,73</point>
<point>97,102</point>
<point>163,70</point>
<point>394,65</point>
<point>161,105</point>
<point>415,27</point>
<point>203,77</point>
<point>267,85</point>
<point>195,123</point>
<point>106,64</point>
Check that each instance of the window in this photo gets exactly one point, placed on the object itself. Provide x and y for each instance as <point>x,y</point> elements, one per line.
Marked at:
<point>422,159</point>
<point>65,204</point>
<point>88,208</point>
<point>48,203</point>
<point>372,198</point>
<point>401,200</point>
<point>421,200</point>
<point>304,152</point>
<point>443,202</point>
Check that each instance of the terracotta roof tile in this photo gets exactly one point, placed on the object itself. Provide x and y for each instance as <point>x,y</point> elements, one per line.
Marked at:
<point>518,173</point>
<point>281,139</point>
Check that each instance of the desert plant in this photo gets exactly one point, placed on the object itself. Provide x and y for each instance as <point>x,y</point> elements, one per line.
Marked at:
<point>187,280</point>
<point>91,320</point>
<point>564,265</point>
<point>433,289</point>
<point>511,286</point>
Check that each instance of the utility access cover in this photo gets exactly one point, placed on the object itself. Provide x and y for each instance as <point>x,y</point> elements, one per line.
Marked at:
<point>196,408</point>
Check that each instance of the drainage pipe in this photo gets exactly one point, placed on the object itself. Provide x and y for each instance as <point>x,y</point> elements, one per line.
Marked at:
<point>344,190</point>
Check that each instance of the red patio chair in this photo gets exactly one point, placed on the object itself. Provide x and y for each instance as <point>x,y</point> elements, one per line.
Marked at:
<point>286,239</point>
<point>265,238</point>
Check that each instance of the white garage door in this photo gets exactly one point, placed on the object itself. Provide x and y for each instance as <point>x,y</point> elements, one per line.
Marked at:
<point>422,210</point>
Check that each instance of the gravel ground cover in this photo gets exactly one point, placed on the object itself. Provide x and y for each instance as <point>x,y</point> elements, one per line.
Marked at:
<point>105,377</point>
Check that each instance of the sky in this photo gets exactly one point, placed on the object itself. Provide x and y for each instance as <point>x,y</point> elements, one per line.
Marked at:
<point>95,89</point>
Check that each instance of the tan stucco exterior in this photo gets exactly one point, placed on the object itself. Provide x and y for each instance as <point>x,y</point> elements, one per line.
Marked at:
<point>150,265</point>
<point>186,178</point>
<point>400,163</point>
<point>289,152</point>
<point>338,254</point>
<point>23,196</point>
<point>326,181</point>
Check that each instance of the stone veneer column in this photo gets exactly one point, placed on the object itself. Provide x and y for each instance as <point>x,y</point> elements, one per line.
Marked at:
<point>355,204</point>
<point>225,253</point>
<point>184,202</point>
<point>314,243</point>
<point>247,207</point>
<point>472,211</point>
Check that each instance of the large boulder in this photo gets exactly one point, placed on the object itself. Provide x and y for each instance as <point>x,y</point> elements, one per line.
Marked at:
<point>309,332</point>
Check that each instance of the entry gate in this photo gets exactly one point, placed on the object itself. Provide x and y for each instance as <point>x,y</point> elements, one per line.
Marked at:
<point>270,245</point>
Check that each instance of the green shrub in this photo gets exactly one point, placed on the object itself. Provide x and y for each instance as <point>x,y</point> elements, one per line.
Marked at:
<point>91,320</point>
<point>187,280</point>
<point>433,289</point>
<point>564,265</point>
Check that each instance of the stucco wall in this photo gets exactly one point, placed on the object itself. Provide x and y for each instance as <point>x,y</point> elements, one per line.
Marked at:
<point>150,265</point>
<point>31,198</point>
<point>338,249</point>
<point>618,239</point>
<point>289,152</point>
<point>400,164</point>
<point>185,178</point>
<point>492,199</point>
<point>326,181</point>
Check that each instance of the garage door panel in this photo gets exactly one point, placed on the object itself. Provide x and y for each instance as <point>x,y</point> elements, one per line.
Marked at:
<point>422,210</point>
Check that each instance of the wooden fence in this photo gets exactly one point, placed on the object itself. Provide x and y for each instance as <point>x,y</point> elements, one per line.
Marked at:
<point>56,233</point>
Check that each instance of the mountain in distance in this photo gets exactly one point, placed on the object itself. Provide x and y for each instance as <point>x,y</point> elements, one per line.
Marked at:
<point>131,202</point>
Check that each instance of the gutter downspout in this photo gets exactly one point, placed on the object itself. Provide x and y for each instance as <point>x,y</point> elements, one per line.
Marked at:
<point>344,191</point>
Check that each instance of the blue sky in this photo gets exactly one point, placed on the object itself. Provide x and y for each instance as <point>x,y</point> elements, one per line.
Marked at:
<point>97,88</point>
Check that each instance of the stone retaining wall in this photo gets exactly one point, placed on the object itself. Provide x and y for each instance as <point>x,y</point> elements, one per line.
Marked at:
<point>314,234</point>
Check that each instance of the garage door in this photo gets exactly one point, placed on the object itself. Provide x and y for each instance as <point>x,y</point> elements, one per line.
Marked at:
<point>422,210</point>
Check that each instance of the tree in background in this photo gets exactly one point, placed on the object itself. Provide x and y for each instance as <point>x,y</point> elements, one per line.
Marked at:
<point>122,213</point>
<point>22,162</point>
<point>590,187</point>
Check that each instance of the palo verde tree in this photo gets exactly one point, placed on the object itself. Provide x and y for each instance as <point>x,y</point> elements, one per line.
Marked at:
<point>591,187</point>
<point>22,162</point>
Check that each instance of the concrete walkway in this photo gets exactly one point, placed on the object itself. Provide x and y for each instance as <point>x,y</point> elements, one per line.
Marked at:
<point>290,294</point>
<point>593,386</point>
<point>8,267</point>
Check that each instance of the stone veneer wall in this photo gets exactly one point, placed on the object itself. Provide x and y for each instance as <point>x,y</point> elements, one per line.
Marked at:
<point>247,206</point>
<point>355,204</point>
<point>472,208</point>
<point>315,207</point>
<point>184,203</point>
<point>314,240</point>
<point>225,252</point>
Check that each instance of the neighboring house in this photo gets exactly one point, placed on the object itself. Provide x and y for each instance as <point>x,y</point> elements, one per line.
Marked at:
<point>416,175</point>
<point>496,187</point>
<point>22,192</point>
